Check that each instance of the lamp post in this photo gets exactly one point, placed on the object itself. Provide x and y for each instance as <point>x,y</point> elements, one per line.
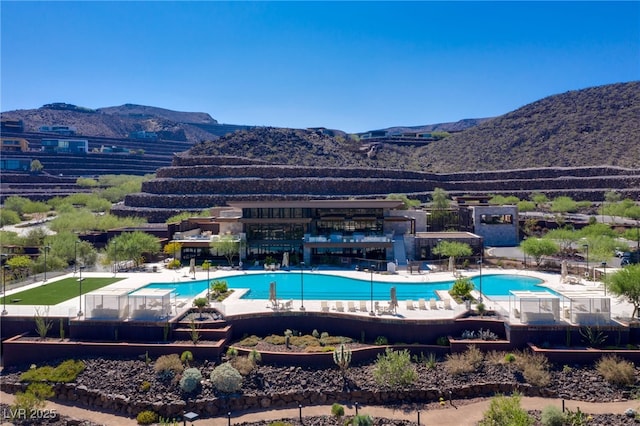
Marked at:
<point>80,281</point>
<point>480,265</point>
<point>208,263</point>
<point>115,257</point>
<point>45,249</point>
<point>604,284</point>
<point>75,257</point>
<point>302,286</point>
<point>586,247</point>
<point>371,271</point>
<point>4,289</point>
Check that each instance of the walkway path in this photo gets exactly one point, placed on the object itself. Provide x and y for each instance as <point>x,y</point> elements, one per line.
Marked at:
<point>462,415</point>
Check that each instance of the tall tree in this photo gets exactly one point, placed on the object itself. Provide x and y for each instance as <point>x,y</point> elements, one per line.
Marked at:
<point>453,249</point>
<point>538,248</point>
<point>625,283</point>
<point>227,246</point>
<point>131,246</point>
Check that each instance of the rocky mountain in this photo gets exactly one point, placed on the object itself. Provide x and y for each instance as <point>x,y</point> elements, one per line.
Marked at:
<point>120,121</point>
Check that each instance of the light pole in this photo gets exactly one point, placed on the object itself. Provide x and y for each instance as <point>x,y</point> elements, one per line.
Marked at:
<point>80,281</point>
<point>604,284</point>
<point>45,249</point>
<point>371,270</point>
<point>302,286</point>
<point>75,257</point>
<point>4,289</point>
<point>208,282</point>
<point>115,257</point>
<point>480,265</point>
<point>586,247</point>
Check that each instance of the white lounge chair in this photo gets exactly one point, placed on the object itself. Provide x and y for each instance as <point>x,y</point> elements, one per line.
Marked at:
<point>422,305</point>
<point>410,305</point>
<point>447,304</point>
<point>339,307</point>
<point>432,304</point>
<point>324,306</point>
<point>351,306</point>
<point>363,306</point>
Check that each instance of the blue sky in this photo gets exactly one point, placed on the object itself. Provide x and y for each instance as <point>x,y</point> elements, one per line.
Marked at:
<point>353,66</point>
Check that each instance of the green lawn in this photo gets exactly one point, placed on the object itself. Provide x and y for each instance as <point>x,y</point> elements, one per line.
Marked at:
<point>58,291</point>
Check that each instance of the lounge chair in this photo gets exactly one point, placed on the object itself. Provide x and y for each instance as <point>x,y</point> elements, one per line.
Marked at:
<point>410,305</point>
<point>363,306</point>
<point>324,306</point>
<point>447,304</point>
<point>432,304</point>
<point>339,307</point>
<point>382,309</point>
<point>422,305</point>
<point>351,306</point>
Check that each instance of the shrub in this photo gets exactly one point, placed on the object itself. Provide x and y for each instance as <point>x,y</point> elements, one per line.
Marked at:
<point>335,340</point>
<point>243,364</point>
<point>362,420</point>
<point>226,379</point>
<point>249,341</point>
<point>145,386</point>
<point>394,369</point>
<point>535,368</point>
<point>616,371</point>
<point>442,341</point>
<point>190,380</point>
<point>381,340</point>
<point>461,289</point>
<point>232,352</point>
<point>280,423</point>
<point>506,411</point>
<point>465,362</point>
<point>315,334</point>
<point>304,341</point>
<point>66,372</point>
<point>324,335</point>
<point>552,416</point>
<point>255,357</point>
<point>274,339</point>
<point>168,366</point>
<point>337,410</point>
<point>186,357</point>
<point>509,358</point>
<point>146,417</point>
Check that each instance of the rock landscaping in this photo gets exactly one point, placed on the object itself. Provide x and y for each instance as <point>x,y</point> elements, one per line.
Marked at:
<point>131,386</point>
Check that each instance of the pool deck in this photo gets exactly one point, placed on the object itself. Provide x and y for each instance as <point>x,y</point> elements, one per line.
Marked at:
<point>234,305</point>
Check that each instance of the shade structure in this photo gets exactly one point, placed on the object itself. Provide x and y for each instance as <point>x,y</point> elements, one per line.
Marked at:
<point>273,293</point>
<point>393,303</point>
<point>192,265</point>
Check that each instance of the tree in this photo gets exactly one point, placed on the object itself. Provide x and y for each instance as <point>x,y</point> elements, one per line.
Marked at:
<point>625,283</point>
<point>538,248</point>
<point>8,217</point>
<point>200,303</point>
<point>440,199</point>
<point>564,204</point>
<point>20,265</point>
<point>173,249</point>
<point>227,246</point>
<point>407,203</point>
<point>565,237</point>
<point>36,166</point>
<point>131,246</point>
<point>452,249</point>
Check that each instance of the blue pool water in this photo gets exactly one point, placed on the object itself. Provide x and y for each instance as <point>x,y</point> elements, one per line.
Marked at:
<point>330,287</point>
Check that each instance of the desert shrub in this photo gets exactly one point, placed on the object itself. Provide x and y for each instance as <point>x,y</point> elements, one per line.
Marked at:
<point>255,357</point>
<point>381,340</point>
<point>226,379</point>
<point>616,370</point>
<point>442,341</point>
<point>506,411</point>
<point>249,341</point>
<point>337,410</point>
<point>168,366</point>
<point>304,341</point>
<point>186,357</point>
<point>335,340</point>
<point>552,416</point>
<point>461,289</point>
<point>534,367</point>
<point>394,369</point>
<point>190,379</point>
<point>145,386</point>
<point>316,349</point>
<point>361,420</point>
<point>66,372</point>
<point>232,352</point>
<point>280,423</point>
<point>274,339</point>
<point>32,398</point>
<point>315,333</point>
<point>464,362</point>
<point>509,358</point>
<point>324,335</point>
<point>243,364</point>
<point>146,417</point>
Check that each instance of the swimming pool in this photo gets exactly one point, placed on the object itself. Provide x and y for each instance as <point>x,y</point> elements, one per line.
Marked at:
<point>332,287</point>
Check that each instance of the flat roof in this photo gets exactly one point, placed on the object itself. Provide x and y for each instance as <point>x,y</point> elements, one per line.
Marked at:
<point>522,294</point>
<point>152,292</point>
<point>389,204</point>
<point>446,235</point>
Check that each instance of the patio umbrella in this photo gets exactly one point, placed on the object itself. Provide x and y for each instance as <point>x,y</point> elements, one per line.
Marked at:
<point>192,265</point>
<point>393,304</point>
<point>285,259</point>
<point>272,293</point>
<point>563,270</point>
<point>452,264</point>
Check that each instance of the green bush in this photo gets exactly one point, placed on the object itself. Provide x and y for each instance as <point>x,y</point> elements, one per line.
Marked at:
<point>146,417</point>
<point>509,358</point>
<point>190,380</point>
<point>243,364</point>
<point>362,420</point>
<point>506,411</point>
<point>337,410</point>
<point>186,357</point>
<point>552,416</point>
<point>232,352</point>
<point>394,369</point>
<point>226,379</point>
<point>249,341</point>
<point>381,340</point>
<point>66,372</point>
<point>616,370</point>
<point>461,289</point>
<point>255,357</point>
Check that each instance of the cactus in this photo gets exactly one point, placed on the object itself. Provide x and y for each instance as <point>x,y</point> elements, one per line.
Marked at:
<point>342,358</point>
